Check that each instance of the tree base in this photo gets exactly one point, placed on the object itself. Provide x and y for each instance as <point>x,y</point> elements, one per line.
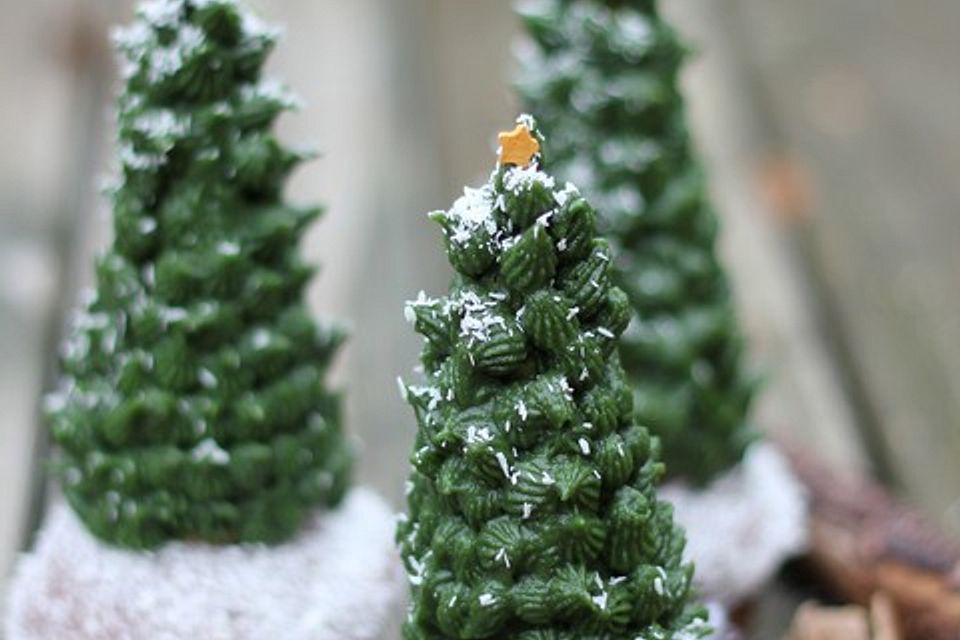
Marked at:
<point>742,526</point>
<point>723,627</point>
<point>339,579</point>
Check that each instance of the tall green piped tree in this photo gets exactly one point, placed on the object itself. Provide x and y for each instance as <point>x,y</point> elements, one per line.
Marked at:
<point>532,506</point>
<point>193,403</point>
<point>601,77</point>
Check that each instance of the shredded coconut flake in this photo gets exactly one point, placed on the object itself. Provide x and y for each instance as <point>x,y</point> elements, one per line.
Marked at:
<point>206,377</point>
<point>261,338</point>
<point>527,120</point>
<point>563,196</point>
<point>432,393</point>
<point>162,123</point>
<point>163,62</point>
<point>504,465</point>
<point>228,248</point>
<point>161,13</point>
<point>479,319</point>
<point>471,212</point>
<point>475,436</point>
<point>522,410</point>
<point>147,226</point>
<point>272,90</point>
<point>210,451</point>
<point>519,179</point>
<point>658,587</point>
<point>409,309</point>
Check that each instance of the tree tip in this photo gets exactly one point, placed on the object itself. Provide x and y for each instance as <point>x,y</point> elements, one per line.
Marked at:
<point>521,146</point>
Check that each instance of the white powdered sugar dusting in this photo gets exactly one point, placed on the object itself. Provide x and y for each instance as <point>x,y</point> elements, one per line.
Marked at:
<point>744,525</point>
<point>339,579</point>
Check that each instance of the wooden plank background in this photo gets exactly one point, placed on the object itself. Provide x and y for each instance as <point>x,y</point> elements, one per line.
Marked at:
<point>864,97</point>
<point>829,131</point>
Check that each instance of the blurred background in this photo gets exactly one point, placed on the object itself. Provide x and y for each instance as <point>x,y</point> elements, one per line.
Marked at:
<point>831,138</point>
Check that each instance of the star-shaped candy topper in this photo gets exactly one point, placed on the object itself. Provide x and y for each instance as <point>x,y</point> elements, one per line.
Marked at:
<point>518,146</point>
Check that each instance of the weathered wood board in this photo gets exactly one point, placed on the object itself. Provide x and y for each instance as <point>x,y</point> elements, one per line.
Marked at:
<point>864,96</point>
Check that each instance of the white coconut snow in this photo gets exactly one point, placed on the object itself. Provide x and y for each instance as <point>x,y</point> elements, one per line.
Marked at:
<point>743,526</point>
<point>338,580</point>
<point>723,628</point>
<point>470,212</point>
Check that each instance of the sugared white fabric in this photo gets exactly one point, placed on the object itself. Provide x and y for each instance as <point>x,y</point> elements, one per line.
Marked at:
<point>339,579</point>
<point>743,526</point>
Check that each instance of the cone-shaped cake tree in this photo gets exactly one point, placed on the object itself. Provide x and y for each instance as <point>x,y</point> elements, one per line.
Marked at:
<point>193,404</point>
<point>532,505</point>
<point>601,77</point>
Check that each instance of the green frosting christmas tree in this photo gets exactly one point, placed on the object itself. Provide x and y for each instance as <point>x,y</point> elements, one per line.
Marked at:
<point>532,506</point>
<point>601,76</point>
<point>193,404</point>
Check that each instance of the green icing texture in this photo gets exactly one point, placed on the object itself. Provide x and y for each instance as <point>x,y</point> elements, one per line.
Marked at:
<point>193,402</point>
<point>602,78</point>
<point>532,505</point>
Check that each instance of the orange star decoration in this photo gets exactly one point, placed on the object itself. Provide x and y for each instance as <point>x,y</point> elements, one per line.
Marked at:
<point>518,146</point>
